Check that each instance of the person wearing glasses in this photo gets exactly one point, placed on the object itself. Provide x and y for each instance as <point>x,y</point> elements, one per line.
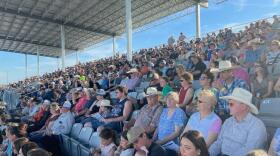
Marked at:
<point>186,91</point>
<point>206,80</point>
<point>243,132</point>
<point>206,121</point>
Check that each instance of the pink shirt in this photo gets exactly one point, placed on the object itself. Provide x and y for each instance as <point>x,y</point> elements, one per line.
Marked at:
<point>240,73</point>
<point>80,104</point>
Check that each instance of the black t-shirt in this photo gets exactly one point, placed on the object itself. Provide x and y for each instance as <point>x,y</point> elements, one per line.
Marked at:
<point>156,150</point>
<point>199,66</point>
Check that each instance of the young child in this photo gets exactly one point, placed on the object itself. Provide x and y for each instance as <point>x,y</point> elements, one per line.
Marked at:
<point>107,143</point>
<point>125,148</point>
<point>104,112</point>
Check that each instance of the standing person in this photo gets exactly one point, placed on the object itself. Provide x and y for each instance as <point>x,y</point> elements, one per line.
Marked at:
<point>192,143</point>
<point>243,131</point>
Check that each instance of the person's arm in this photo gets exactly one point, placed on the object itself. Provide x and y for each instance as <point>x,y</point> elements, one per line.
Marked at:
<point>269,89</point>
<point>172,136</point>
<point>213,132</point>
<point>277,85</point>
<point>188,97</point>
<point>126,112</point>
<point>216,147</point>
<point>271,151</point>
<point>154,123</point>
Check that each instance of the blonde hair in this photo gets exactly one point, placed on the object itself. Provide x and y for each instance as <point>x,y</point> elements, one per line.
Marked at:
<point>276,42</point>
<point>211,97</point>
<point>180,68</point>
<point>174,96</point>
<point>54,106</point>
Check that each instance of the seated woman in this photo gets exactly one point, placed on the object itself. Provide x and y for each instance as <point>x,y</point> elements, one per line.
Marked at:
<point>205,121</point>
<point>172,120</point>
<point>93,108</point>
<point>192,143</point>
<point>55,112</point>
<point>274,149</point>
<point>186,91</point>
<point>40,117</point>
<point>261,84</point>
<point>120,112</point>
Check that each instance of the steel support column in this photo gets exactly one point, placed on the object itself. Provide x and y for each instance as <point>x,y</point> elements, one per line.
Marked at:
<point>128,29</point>
<point>38,61</point>
<point>197,15</point>
<point>62,36</point>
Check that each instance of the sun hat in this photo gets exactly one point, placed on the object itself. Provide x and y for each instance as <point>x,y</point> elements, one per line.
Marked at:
<point>67,105</point>
<point>151,91</point>
<point>105,103</point>
<point>223,66</point>
<point>101,92</point>
<point>243,96</point>
<point>134,133</point>
<point>133,70</point>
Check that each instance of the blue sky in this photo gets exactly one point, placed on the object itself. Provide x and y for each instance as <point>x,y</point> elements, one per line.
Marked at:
<point>226,14</point>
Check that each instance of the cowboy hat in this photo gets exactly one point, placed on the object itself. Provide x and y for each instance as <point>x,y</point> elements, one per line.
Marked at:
<point>101,92</point>
<point>133,70</point>
<point>151,91</point>
<point>134,133</point>
<point>105,103</point>
<point>243,96</point>
<point>223,66</point>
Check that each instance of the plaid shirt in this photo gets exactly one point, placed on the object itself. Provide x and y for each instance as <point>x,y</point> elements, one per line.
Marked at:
<point>223,104</point>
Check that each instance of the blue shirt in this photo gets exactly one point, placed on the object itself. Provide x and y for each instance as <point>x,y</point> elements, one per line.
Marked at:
<point>223,104</point>
<point>277,142</point>
<point>238,138</point>
<point>167,124</point>
<point>252,56</point>
<point>63,124</point>
<point>211,123</point>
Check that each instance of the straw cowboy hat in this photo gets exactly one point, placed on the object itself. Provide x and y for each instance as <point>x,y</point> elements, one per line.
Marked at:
<point>134,133</point>
<point>133,70</point>
<point>151,91</point>
<point>243,96</point>
<point>105,103</point>
<point>223,66</point>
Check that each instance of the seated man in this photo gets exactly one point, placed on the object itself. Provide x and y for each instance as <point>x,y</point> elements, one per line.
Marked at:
<point>274,149</point>
<point>142,140</point>
<point>242,132</point>
<point>149,114</point>
<point>62,125</point>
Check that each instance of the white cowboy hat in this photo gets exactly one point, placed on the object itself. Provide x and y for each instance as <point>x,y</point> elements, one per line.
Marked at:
<point>243,96</point>
<point>151,91</point>
<point>133,70</point>
<point>104,103</point>
<point>101,92</point>
<point>223,66</point>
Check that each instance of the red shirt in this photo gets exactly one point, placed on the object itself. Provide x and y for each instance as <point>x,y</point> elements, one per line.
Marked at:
<point>182,95</point>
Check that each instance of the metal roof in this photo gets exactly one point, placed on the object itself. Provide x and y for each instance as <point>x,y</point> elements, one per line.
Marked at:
<point>28,24</point>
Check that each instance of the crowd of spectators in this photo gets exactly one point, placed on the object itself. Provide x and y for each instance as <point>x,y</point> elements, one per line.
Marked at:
<point>190,98</point>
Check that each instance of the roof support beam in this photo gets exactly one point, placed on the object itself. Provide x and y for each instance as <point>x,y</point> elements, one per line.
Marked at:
<point>20,52</point>
<point>33,42</point>
<point>60,22</point>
